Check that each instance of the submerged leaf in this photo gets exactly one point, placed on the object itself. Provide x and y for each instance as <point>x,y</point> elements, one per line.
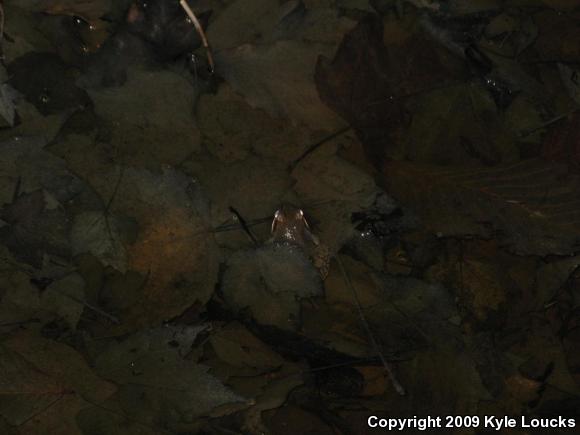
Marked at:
<point>100,234</point>
<point>157,384</point>
<point>44,384</point>
<point>269,283</point>
<point>35,228</point>
<point>174,250</point>
<point>279,79</point>
<point>530,206</point>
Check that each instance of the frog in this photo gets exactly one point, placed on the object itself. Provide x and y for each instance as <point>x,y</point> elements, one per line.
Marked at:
<point>290,227</point>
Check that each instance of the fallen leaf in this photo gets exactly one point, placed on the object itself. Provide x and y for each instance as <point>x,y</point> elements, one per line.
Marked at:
<point>278,78</point>
<point>367,82</point>
<point>530,206</point>
<point>87,9</point>
<point>46,384</point>
<point>558,35</point>
<point>27,167</point>
<point>101,235</point>
<point>36,226</point>
<point>268,282</point>
<point>570,80</point>
<point>237,346</point>
<point>151,109</point>
<point>150,365</point>
<point>174,250</point>
<point>47,82</point>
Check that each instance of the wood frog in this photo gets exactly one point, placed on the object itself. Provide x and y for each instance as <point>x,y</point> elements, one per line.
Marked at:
<point>290,227</point>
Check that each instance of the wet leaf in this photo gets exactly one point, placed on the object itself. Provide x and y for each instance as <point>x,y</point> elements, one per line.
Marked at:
<point>101,235</point>
<point>158,386</point>
<point>571,79</point>
<point>268,282</point>
<point>174,251</point>
<point>46,82</point>
<point>562,143</point>
<point>87,9</point>
<point>150,117</point>
<point>278,78</point>
<point>552,276</point>
<point>235,345</point>
<point>336,189</point>
<point>243,21</point>
<point>366,82</point>
<point>457,124</point>
<point>7,97</point>
<point>45,384</point>
<point>27,167</point>
<point>529,206</point>
<point>36,226</point>
<point>233,130</point>
<point>558,35</point>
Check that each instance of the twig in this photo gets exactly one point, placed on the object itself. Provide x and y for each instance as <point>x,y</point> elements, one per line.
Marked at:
<point>90,307</point>
<point>244,226</point>
<point>313,147</point>
<point>398,387</point>
<point>525,133</point>
<point>201,33</point>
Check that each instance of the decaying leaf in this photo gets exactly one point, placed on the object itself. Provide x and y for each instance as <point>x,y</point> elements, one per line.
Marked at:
<point>27,167</point>
<point>7,97</point>
<point>150,117</point>
<point>529,206</point>
<point>36,225</point>
<point>287,92</point>
<point>269,282</point>
<point>571,80</point>
<point>457,125</point>
<point>87,9</point>
<point>337,189</point>
<point>243,21</point>
<point>558,35</point>
<point>158,386</point>
<point>47,82</point>
<point>101,235</point>
<point>366,82</point>
<point>232,130</point>
<point>356,83</point>
<point>562,143</point>
<point>45,384</point>
<point>235,345</point>
<point>174,251</point>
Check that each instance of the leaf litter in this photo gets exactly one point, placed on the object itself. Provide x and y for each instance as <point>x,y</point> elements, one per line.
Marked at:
<point>431,148</point>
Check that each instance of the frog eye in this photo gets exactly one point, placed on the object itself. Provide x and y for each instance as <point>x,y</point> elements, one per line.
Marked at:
<point>275,220</point>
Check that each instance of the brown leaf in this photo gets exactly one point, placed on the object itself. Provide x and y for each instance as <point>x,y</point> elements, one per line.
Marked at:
<point>87,9</point>
<point>174,250</point>
<point>562,144</point>
<point>44,384</point>
<point>35,228</point>
<point>530,206</point>
<point>356,84</point>
<point>559,35</point>
<point>366,81</point>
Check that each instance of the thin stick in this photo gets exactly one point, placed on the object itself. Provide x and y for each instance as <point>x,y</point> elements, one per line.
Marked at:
<point>1,22</point>
<point>90,307</point>
<point>526,133</point>
<point>244,226</point>
<point>314,146</point>
<point>398,387</point>
<point>201,33</point>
